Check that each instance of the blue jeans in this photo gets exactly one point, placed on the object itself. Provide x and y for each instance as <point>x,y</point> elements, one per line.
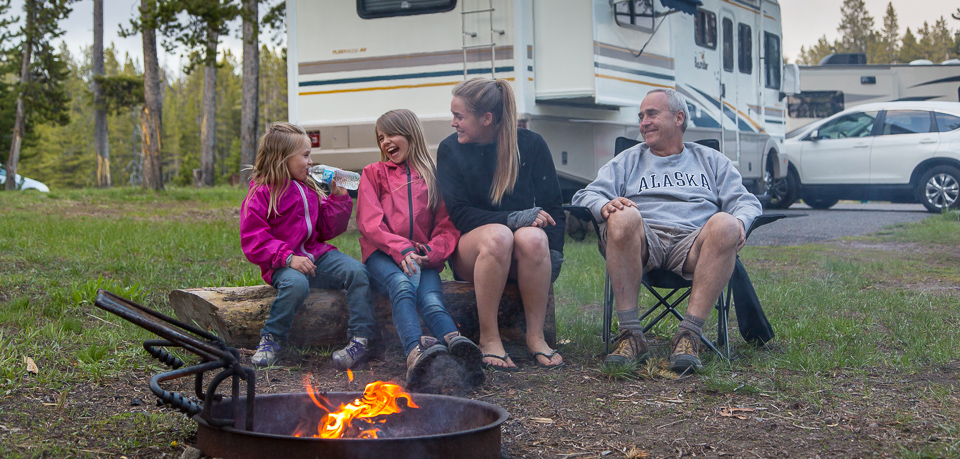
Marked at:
<point>334,271</point>
<point>407,303</point>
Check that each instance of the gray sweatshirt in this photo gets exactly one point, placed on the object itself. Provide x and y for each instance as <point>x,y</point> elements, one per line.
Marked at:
<point>682,190</point>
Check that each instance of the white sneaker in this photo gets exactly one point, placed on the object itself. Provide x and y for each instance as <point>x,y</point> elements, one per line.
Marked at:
<point>268,352</point>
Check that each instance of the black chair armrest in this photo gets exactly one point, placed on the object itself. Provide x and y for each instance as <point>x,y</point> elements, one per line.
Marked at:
<point>583,213</point>
<point>770,217</point>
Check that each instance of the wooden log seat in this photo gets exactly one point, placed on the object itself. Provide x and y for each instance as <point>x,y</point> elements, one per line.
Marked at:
<point>236,314</point>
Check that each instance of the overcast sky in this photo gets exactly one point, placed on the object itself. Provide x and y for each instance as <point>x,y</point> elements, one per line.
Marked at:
<point>804,21</point>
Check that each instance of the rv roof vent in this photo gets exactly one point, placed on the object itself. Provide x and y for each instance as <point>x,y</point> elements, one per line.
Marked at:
<point>951,62</point>
<point>845,59</point>
<point>921,62</point>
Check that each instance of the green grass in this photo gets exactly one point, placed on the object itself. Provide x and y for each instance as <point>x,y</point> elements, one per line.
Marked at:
<point>835,309</point>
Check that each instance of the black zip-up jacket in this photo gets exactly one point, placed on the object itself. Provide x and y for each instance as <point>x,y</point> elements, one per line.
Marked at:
<point>465,173</point>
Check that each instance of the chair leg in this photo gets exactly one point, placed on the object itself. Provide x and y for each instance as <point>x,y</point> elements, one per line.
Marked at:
<point>607,313</point>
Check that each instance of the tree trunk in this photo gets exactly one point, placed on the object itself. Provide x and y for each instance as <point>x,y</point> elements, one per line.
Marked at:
<point>208,125</point>
<point>20,120</point>
<point>236,314</point>
<point>152,113</point>
<point>251,89</point>
<point>99,113</point>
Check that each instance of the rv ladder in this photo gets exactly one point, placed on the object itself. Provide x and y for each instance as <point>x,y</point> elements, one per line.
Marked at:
<point>492,44</point>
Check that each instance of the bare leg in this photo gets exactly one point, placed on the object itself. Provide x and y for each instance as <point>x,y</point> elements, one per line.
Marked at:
<point>484,256</point>
<point>711,259</point>
<point>627,253</point>
<point>531,259</point>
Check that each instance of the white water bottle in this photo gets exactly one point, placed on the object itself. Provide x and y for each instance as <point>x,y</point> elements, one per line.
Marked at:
<point>326,174</point>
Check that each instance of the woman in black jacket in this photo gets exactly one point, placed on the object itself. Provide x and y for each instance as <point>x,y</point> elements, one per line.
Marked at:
<point>501,190</point>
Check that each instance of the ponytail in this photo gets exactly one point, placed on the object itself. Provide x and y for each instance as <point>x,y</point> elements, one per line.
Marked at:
<point>484,95</point>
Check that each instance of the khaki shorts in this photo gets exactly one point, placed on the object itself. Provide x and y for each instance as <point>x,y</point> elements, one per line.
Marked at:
<point>667,246</point>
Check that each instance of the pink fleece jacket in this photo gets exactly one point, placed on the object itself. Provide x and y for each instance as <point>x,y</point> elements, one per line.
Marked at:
<point>389,194</point>
<point>300,226</point>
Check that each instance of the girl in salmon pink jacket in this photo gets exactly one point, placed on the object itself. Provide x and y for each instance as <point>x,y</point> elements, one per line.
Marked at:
<point>406,237</point>
<point>285,222</point>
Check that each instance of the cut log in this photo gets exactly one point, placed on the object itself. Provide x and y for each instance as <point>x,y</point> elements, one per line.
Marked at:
<point>236,314</point>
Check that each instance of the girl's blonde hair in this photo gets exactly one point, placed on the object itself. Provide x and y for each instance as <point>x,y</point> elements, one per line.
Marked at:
<point>277,145</point>
<point>404,122</point>
<point>484,95</point>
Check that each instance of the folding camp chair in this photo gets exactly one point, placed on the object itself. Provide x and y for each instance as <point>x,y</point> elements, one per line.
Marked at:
<point>751,320</point>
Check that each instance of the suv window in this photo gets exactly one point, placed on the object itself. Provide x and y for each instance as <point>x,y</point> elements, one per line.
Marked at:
<point>745,56</point>
<point>369,9</point>
<point>636,14</point>
<point>899,122</point>
<point>705,29</point>
<point>859,124</point>
<point>947,123</point>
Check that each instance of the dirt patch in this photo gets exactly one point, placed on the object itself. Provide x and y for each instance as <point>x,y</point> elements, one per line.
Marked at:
<point>574,411</point>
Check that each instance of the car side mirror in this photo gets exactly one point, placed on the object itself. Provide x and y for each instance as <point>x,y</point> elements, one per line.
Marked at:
<point>814,135</point>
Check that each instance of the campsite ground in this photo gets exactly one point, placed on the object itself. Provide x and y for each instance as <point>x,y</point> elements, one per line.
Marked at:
<point>865,362</point>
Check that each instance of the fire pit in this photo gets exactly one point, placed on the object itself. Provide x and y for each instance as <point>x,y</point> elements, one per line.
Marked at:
<point>252,426</point>
<point>442,426</point>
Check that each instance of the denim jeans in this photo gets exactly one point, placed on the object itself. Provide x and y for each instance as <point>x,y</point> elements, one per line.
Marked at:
<point>334,271</point>
<point>426,301</point>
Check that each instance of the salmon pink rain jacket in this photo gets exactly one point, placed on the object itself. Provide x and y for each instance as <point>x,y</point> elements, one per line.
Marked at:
<point>393,212</point>
<point>300,226</point>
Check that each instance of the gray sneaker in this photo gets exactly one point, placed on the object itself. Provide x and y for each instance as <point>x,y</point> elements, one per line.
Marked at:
<point>357,351</point>
<point>629,347</point>
<point>268,352</point>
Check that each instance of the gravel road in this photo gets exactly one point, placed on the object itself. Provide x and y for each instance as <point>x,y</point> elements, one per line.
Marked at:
<point>844,219</point>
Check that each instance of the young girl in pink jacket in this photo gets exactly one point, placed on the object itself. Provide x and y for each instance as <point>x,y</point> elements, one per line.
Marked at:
<point>406,237</point>
<point>285,222</point>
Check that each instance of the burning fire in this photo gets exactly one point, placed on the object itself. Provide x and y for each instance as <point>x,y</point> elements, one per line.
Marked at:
<point>379,399</point>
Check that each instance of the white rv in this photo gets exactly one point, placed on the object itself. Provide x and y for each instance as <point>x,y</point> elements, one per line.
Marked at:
<point>580,69</point>
<point>828,89</point>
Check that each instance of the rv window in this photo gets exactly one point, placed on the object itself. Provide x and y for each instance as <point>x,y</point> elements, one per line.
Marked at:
<point>947,123</point>
<point>745,56</point>
<point>705,29</point>
<point>815,104</point>
<point>727,44</point>
<point>771,60</point>
<point>369,9</point>
<point>636,14</point>
<point>899,122</point>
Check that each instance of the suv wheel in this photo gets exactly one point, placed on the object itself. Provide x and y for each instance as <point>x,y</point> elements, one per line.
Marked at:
<point>820,203</point>
<point>783,191</point>
<point>939,189</point>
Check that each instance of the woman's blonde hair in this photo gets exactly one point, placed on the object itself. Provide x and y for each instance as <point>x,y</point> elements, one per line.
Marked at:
<point>277,145</point>
<point>404,122</point>
<point>484,95</point>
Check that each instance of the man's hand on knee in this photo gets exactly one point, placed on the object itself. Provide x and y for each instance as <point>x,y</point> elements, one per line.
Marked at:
<point>618,203</point>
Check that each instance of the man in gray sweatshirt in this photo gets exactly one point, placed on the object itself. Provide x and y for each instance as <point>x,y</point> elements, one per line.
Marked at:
<point>671,205</point>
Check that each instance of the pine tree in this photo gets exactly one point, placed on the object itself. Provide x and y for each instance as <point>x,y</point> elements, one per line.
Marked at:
<point>205,20</point>
<point>856,27</point>
<point>251,88</point>
<point>40,95</point>
<point>889,43</point>
<point>942,42</point>
<point>816,53</point>
<point>909,48</point>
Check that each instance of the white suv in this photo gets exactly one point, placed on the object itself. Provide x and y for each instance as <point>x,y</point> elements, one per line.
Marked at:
<point>889,151</point>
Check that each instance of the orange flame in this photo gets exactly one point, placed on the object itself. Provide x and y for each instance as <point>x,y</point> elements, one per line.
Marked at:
<point>379,399</point>
<point>350,375</point>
